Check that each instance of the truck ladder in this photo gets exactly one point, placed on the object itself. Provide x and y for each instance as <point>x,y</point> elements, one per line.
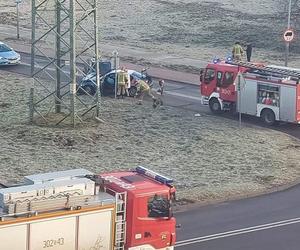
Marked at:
<point>267,69</point>
<point>120,220</point>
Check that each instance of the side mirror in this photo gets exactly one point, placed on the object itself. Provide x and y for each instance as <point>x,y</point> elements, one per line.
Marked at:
<point>207,79</point>
<point>201,75</point>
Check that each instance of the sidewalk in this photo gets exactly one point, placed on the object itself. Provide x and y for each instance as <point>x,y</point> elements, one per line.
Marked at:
<point>166,74</point>
<point>155,72</point>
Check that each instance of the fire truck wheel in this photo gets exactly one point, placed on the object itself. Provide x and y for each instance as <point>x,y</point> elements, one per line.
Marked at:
<point>268,116</point>
<point>214,105</point>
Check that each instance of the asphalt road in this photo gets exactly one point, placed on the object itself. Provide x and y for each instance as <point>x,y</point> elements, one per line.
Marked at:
<point>265,222</point>
<point>268,222</point>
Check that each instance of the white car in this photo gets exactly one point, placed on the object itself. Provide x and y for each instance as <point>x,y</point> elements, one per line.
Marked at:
<point>8,56</point>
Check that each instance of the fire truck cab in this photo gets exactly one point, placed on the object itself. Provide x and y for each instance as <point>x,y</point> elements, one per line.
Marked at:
<point>269,92</point>
<point>76,209</point>
<point>150,222</point>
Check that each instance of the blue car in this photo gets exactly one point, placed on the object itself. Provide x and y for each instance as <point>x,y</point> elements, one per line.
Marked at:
<point>8,56</point>
<point>107,83</point>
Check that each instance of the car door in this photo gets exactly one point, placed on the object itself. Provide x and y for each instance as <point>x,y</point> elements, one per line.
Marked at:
<point>108,84</point>
<point>226,86</point>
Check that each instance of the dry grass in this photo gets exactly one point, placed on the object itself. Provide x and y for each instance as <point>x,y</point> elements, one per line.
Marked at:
<point>208,156</point>
<point>179,32</point>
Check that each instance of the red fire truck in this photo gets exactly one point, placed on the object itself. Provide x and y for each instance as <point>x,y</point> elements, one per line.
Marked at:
<point>77,210</point>
<point>269,92</point>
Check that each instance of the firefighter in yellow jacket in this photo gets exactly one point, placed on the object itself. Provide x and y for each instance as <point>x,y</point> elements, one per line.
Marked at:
<point>237,51</point>
<point>143,88</point>
<point>122,82</point>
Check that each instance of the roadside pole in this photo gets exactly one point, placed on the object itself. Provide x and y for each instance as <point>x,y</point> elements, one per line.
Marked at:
<point>287,43</point>
<point>239,100</point>
<point>116,54</point>
<point>31,105</point>
<point>18,18</point>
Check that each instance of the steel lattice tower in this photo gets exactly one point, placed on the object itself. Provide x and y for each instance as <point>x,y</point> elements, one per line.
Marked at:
<point>70,29</point>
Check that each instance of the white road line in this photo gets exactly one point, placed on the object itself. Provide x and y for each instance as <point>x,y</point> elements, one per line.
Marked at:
<point>238,232</point>
<point>183,95</point>
<point>50,69</point>
<point>167,92</point>
<point>9,34</point>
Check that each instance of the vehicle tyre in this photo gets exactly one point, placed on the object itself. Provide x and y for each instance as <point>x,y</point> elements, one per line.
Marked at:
<point>268,117</point>
<point>132,91</point>
<point>215,106</point>
<point>88,89</point>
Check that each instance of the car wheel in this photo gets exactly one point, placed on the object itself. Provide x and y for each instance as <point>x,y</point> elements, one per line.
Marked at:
<point>268,117</point>
<point>214,106</point>
<point>88,89</point>
<point>132,91</point>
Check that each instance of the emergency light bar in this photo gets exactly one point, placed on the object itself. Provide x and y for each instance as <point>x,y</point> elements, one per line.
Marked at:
<point>149,173</point>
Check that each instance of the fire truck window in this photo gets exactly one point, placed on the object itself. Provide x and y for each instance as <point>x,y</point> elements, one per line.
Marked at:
<point>228,78</point>
<point>219,78</point>
<point>158,206</point>
<point>268,95</point>
<point>209,75</point>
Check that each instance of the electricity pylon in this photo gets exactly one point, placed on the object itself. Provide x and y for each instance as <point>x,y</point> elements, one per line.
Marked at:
<point>64,35</point>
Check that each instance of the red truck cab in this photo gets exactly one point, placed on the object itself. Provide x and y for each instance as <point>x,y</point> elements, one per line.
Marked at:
<point>219,78</point>
<point>149,219</point>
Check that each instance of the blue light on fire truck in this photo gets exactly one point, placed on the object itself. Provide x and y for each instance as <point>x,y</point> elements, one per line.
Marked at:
<point>229,59</point>
<point>216,60</point>
<point>158,177</point>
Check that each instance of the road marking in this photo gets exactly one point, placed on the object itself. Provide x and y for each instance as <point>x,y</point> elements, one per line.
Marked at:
<point>183,95</point>
<point>167,92</point>
<point>238,232</point>
<point>50,69</point>
<point>9,34</point>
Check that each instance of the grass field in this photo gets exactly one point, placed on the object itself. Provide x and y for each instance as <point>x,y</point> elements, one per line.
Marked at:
<point>208,156</point>
<point>186,29</point>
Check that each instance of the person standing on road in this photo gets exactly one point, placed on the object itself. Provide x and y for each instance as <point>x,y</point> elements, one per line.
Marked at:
<point>143,88</point>
<point>161,84</point>
<point>249,51</point>
<point>126,84</point>
<point>122,81</point>
<point>237,51</point>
